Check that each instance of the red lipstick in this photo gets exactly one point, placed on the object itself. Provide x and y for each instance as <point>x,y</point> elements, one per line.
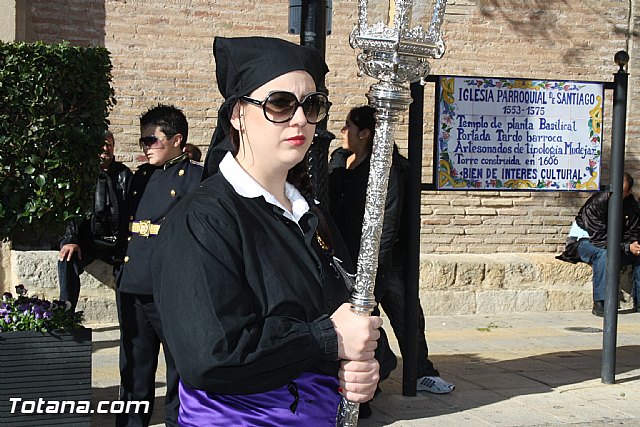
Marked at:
<point>297,140</point>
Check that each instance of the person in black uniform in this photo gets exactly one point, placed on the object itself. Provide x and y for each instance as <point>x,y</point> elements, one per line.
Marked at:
<point>156,187</point>
<point>94,237</point>
<point>254,306</point>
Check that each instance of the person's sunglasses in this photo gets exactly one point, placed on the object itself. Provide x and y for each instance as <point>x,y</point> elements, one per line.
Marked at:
<point>153,141</point>
<point>280,106</point>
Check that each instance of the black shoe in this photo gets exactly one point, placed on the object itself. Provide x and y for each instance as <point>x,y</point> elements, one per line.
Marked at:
<point>598,308</point>
<point>365,410</point>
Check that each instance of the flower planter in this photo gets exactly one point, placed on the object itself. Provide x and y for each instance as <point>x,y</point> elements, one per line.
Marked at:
<point>38,371</point>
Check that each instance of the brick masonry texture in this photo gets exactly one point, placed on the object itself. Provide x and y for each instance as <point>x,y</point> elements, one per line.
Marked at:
<point>162,53</point>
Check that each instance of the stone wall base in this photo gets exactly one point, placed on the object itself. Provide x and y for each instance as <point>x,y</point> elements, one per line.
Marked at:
<point>485,284</point>
<point>38,272</point>
<point>449,284</point>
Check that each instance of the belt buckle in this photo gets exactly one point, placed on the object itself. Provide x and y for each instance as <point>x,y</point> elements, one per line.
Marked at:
<point>145,228</point>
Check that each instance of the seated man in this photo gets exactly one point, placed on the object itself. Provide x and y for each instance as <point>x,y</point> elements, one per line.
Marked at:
<point>94,237</point>
<point>587,241</point>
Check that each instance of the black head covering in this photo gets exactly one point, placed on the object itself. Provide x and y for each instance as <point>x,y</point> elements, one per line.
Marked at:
<point>243,64</point>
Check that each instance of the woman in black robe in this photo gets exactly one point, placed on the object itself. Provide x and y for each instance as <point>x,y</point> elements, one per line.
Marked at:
<point>249,275</point>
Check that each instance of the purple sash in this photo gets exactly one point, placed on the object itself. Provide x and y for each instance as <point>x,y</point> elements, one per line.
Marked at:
<point>316,405</point>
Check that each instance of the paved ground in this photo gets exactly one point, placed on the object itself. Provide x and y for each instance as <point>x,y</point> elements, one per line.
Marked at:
<point>515,369</point>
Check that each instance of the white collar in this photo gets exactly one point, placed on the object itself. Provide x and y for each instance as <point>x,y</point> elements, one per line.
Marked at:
<point>246,186</point>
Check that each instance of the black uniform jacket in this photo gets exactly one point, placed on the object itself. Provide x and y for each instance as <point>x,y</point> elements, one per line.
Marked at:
<point>244,293</point>
<point>154,191</point>
<point>593,217</point>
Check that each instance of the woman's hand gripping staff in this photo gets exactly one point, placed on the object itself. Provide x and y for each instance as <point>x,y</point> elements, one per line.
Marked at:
<point>357,341</point>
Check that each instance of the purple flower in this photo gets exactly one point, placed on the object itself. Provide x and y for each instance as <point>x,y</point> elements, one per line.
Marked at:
<point>37,311</point>
<point>33,313</point>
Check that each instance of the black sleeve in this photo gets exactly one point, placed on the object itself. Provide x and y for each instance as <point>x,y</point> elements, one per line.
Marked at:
<point>631,231</point>
<point>211,317</point>
<point>593,217</point>
<point>125,179</point>
<point>70,233</point>
<point>392,214</point>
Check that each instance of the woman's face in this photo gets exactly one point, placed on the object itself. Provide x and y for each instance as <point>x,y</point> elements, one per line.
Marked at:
<point>352,137</point>
<point>274,146</point>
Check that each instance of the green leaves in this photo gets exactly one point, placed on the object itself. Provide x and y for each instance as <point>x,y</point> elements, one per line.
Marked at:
<point>54,104</point>
<point>23,313</point>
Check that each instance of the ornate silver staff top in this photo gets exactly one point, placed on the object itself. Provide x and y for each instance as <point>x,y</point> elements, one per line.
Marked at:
<point>395,54</point>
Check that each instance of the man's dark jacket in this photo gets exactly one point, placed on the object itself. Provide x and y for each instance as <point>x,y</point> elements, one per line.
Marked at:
<point>347,197</point>
<point>101,226</point>
<point>593,217</point>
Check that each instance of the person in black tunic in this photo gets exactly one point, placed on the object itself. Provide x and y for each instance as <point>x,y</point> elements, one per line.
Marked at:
<point>248,272</point>
<point>348,178</point>
<point>156,187</point>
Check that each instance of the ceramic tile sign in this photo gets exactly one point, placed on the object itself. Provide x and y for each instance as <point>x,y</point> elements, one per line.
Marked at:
<point>514,134</point>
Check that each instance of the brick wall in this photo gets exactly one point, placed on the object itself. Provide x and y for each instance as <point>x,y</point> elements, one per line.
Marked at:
<point>161,52</point>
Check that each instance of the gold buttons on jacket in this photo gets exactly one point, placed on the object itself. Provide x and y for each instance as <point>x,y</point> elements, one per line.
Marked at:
<point>181,172</point>
<point>126,259</point>
<point>173,193</point>
<point>135,192</point>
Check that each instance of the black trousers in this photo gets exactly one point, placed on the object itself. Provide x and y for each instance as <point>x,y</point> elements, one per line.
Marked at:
<point>69,271</point>
<point>392,302</point>
<point>140,339</point>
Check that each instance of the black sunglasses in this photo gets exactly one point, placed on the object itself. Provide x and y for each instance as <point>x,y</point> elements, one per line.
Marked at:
<point>153,141</point>
<point>281,106</point>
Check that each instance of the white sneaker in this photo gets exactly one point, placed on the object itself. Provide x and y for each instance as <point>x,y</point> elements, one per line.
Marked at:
<point>435,385</point>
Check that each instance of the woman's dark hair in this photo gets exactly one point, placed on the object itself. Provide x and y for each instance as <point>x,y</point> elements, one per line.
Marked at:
<point>298,175</point>
<point>364,117</point>
<point>170,119</point>
<point>629,179</point>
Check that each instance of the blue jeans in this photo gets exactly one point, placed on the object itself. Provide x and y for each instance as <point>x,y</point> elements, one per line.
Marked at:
<point>597,258</point>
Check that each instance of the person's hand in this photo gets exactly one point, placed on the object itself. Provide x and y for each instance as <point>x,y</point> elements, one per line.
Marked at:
<point>357,335</point>
<point>67,251</point>
<point>358,380</point>
<point>634,248</point>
